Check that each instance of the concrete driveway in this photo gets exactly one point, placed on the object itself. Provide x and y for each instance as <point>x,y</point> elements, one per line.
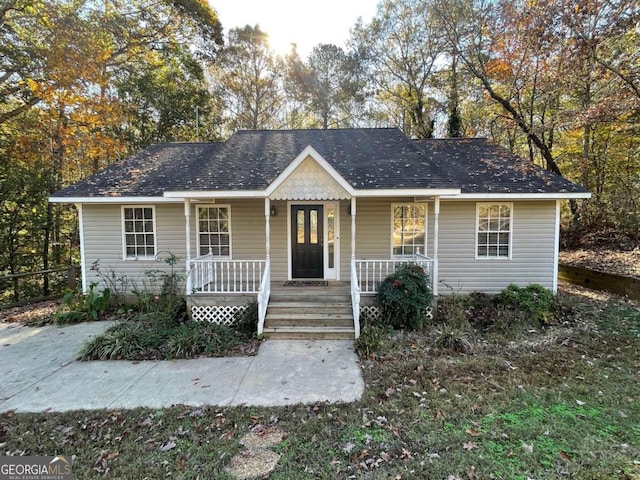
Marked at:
<point>40,373</point>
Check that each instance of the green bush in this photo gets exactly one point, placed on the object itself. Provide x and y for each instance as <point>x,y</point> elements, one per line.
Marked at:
<point>372,338</point>
<point>77,307</point>
<point>151,336</point>
<point>404,296</point>
<point>124,340</point>
<point>452,310</point>
<point>533,300</point>
<point>246,321</point>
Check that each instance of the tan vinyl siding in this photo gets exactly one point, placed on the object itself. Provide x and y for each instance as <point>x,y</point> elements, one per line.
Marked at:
<point>103,242</point>
<point>532,259</point>
<point>103,237</point>
<point>532,254</point>
<point>345,241</point>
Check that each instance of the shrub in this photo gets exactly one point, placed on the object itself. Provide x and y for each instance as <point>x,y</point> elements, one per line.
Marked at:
<point>150,336</point>
<point>533,300</point>
<point>372,337</point>
<point>161,291</point>
<point>124,340</point>
<point>246,321</point>
<point>403,297</point>
<point>77,307</point>
<point>452,310</point>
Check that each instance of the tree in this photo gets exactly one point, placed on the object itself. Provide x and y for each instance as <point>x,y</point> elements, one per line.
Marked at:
<point>61,65</point>
<point>401,47</point>
<point>328,86</point>
<point>248,75</point>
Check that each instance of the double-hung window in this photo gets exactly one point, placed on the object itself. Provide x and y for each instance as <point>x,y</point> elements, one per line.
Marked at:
<point>214,230</point>
<point>409,229</point>
<point>139,232</point>
<point>493,230</point>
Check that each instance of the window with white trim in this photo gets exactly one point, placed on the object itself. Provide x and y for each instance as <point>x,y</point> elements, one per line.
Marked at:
<point>214,230</point>
<point>493,230</point>
<point>409,229</point>
<point>138,229</point>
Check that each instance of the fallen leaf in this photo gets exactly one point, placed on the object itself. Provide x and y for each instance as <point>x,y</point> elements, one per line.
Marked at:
<point>165,447</point>
<point>564,455</point>
<point>527,448</point>
<point>473,432</point>
<point>469,445</point>
<point>406,454</point>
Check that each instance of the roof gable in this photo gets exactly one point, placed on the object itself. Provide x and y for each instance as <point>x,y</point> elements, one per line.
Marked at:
<point>309,177</point>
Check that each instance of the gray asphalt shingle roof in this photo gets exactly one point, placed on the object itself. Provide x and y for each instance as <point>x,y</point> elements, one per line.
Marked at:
<point>478,166</point>
<point>369,158</point>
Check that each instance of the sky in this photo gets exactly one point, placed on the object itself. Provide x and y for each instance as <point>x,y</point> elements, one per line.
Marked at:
<point>304,22</point>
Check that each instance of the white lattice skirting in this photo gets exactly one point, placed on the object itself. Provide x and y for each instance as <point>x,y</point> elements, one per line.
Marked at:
<point>372,312</point>
<point>220,314</point>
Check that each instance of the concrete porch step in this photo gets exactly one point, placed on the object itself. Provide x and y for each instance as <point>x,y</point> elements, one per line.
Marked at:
<point>309,333</point>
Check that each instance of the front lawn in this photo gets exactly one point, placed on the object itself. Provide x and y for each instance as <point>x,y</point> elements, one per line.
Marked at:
<point>543,403</point>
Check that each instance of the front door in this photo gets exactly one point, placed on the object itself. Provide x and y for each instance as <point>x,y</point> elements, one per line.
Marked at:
<point>307,241</point>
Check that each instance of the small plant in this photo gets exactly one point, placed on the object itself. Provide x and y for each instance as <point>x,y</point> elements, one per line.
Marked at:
<point>246,321</point>
<point>78,307</point>
<point>534,300</point>
<point>453,311</point>
<point>161,291</point>
<point>452,338</point>
<point>404,296</point>
<point>117,283</point>
<point>372,337</point>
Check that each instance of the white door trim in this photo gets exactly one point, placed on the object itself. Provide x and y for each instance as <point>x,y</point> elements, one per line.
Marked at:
<point>328,274</point>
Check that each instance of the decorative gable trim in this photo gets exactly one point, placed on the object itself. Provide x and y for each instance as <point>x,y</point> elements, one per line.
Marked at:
<point>310,181</point>
<point>309,151</point>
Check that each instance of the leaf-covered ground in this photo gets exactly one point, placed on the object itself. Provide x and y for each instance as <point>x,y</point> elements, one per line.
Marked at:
<point>608,261</point>
<point>540,404</point>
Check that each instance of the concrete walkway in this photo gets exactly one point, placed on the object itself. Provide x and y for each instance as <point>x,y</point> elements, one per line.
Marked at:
<point>39,374</point>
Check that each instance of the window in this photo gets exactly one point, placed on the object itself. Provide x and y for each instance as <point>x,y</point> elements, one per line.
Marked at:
<point>494,230</point>
<point>138,225</point>
<point>409,227</point>
<point>214,231</point>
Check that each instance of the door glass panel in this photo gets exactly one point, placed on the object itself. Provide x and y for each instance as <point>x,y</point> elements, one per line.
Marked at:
<point>313,227</point>
<point>331,218</point>
<point>300,226</point>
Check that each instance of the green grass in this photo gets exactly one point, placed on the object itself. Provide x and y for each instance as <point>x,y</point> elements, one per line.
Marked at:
<point>550,404</point>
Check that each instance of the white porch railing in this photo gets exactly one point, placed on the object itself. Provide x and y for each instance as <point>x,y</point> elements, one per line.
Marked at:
<point>263,296</point>
<point>207,274</point>
<point>355,298</point>
<point>370,273</point>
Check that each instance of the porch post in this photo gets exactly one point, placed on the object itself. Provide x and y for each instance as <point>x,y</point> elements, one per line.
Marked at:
<point>353,228</point>
<point>267,227</point>
<point>187,236</point>
<point>436,227</point>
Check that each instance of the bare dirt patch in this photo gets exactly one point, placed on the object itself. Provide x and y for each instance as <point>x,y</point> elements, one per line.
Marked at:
<point>34,314</point>
<point>257,461</point>
<point>607,261</point>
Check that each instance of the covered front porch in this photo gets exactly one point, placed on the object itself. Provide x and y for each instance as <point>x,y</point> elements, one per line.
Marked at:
<point>217,288</point>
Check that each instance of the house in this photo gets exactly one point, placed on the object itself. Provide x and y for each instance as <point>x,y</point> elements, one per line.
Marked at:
<point>335,208</point>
